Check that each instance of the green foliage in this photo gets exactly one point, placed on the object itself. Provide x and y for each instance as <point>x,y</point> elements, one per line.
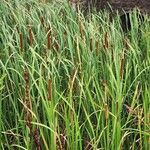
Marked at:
<point>1,82</point>
<point>72,82</point>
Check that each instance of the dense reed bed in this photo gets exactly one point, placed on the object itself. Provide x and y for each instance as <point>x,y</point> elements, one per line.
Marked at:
<point>70,82</point>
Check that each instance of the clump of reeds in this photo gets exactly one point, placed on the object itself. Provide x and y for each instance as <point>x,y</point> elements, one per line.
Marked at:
<point>95,99</point>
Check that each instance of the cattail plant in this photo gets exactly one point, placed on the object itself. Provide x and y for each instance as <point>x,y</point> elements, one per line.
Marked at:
<point>42,19</point>
<point>27,112</point>
<point>122,60</point>
<point>81,27</point>
<point>97,47</point>
<point>36,138</point>
<point>30,35</point>
<point>106,41</point>
<point>106,112</point>
<point>56,45</point>
<point>49,38</point>
<point>91,44</point>
<point>27,101</point>
<point>61,142</point>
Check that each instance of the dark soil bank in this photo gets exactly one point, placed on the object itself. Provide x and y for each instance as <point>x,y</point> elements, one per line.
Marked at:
<point>120,5</point>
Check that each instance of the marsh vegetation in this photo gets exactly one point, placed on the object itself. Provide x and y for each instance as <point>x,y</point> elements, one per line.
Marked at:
<point>72,83</point>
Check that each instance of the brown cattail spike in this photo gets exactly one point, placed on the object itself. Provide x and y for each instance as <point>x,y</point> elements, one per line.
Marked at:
<point>106,41</point>
<point>48,37</point>
<point>36,138</point>
<point>27,112</point>
<point>27,101</point>
<point>56,45</point>
<point>91,44</point>
<point>61,142</point>
<point>81,28</point>
<point>42,21</point>
<point>49,89</point>
<point>122,64</point>
<point>106,111</point>
<point>30,36</point>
